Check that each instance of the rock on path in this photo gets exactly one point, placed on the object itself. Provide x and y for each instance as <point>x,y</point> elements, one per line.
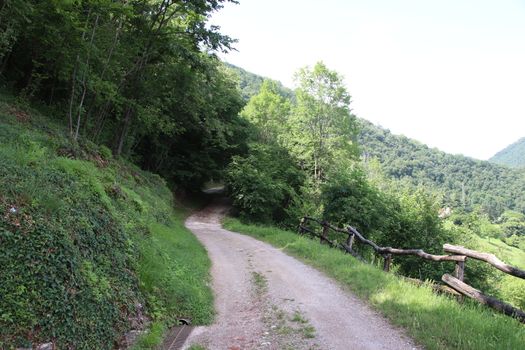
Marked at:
<point>266,299</point>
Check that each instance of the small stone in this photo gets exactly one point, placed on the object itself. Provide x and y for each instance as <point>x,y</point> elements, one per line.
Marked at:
<point>13,210</point>
<point>46,346</point>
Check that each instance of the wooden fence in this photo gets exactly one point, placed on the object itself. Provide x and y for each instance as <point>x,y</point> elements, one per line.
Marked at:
<point>457,254</point>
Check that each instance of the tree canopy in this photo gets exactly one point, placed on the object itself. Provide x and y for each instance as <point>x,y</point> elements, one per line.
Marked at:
<point>130,74</point>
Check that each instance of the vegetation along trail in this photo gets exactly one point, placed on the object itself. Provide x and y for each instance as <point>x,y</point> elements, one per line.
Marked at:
<point>269,300</point>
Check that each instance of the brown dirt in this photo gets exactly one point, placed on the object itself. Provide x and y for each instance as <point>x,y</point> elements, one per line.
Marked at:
<point>266,299</point>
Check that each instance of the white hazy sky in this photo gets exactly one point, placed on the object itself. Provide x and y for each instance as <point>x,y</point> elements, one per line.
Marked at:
<point>449,73</point>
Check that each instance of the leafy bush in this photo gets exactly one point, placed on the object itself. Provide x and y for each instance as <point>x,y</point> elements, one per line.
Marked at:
<point>265,183</point>
<point>402,220</point>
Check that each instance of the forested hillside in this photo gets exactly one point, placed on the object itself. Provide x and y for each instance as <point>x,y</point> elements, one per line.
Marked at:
<point>463,182</point>
<point>250,83</point>
<point>92,95</point>
<point>512,155</point>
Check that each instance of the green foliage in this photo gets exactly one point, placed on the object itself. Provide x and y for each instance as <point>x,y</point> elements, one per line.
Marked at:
<point>512,223</point>
<point>462,182</point>
<point>268,112</point>
<point>172,266</point>
<point>435,321</point>
<point>265,184</point>
<point>512,155</point>
<point>322,127</point>
<point>74,231</point>
<point>250,84</point>
<point>204,130</point>
<point>395,198</point>
<point>401,220</point>
<point>138,76</point>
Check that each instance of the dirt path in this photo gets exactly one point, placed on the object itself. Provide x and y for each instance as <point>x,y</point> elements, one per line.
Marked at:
<point>266,299</point>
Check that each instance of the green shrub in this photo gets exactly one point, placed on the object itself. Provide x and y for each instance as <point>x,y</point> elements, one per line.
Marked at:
<point>264,184</point>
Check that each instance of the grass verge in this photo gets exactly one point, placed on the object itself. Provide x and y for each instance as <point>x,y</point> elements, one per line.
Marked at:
<point>435,321</point>
<point>174,274</point>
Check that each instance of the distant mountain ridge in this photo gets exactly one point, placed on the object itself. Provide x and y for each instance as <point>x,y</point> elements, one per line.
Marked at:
<point>461,181</point>
<point>512,155</point>
<point>250,83</point>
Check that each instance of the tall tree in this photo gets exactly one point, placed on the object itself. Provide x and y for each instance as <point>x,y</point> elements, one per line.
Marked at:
<point>323,127</point>
<point>269,112</point>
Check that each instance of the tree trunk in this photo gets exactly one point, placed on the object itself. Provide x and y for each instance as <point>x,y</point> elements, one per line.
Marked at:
<point>85,77</point>
<point>74,78</point>
<point>123,132</point>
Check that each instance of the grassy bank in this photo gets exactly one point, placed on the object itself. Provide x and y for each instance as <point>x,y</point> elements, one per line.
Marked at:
<point>435,321</point>
<point>91,246</point>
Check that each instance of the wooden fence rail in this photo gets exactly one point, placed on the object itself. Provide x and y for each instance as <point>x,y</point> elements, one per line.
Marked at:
<point>460,254</point>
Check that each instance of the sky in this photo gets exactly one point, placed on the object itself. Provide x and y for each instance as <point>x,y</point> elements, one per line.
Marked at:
<point>448,73</point>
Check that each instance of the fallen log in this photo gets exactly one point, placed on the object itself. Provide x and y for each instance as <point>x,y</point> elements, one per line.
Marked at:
<point>476,294</point>
<point>489,258</point>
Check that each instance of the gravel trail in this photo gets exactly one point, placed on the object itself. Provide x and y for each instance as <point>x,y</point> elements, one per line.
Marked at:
<point>266,299</point>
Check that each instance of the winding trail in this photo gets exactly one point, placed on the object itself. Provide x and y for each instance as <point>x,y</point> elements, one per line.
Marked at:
<point>266,299</point>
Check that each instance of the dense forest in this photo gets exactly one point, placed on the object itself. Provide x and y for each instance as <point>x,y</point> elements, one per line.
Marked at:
<point>91,245</point>
<point>138,76</point>
<point>250,83</point>
<point>512,155</point>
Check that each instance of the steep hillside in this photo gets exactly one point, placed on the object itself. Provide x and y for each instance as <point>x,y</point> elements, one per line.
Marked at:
<point>91,247</point>
<point>464,182</point>
<point>512,155</point>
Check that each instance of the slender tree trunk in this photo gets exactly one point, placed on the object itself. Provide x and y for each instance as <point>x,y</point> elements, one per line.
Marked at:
<point>104,69</point>
<point>85,76</point>
<point>74,78</point>
<point>123,132</point>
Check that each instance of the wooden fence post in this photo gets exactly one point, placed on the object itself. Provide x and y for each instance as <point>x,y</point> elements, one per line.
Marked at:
<point>388,261</point>
<point>459,271</point>
<point>350,240</point>
<point>324,235</point>
<point>300,230</point>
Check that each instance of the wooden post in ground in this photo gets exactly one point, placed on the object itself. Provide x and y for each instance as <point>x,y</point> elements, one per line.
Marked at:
<point>350,240</point>
<point>388,261</point>
<point>324,235</point>
<point>300,229</point>
<point>459,271</point>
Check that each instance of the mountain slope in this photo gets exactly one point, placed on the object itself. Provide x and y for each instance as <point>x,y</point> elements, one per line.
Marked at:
<point>512,155</point>
<point>464,182</point>
<point>250,83</point>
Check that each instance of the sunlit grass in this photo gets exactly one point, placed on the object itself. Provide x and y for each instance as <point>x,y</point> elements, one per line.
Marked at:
<point>434,321</point>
